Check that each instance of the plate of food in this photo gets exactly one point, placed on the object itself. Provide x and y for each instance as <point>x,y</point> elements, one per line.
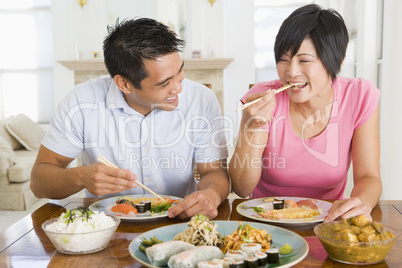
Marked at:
<point>285,210</point>
<point>202,243</point>
<point>136,207</point>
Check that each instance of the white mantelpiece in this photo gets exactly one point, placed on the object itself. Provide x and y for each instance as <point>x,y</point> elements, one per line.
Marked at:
<point>189,64</point>
<point>205,71</point>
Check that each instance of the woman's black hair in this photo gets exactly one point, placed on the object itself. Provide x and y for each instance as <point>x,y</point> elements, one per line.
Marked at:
<point>326,29</point>
<point>131,42</point>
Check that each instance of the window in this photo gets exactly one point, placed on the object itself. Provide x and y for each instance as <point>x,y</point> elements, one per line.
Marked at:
<point>26,59</point>
<point>269,16</point>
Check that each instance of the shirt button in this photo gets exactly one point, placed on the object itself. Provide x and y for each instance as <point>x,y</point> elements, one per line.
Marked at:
<point>146,150</point>
<point>147,179</point>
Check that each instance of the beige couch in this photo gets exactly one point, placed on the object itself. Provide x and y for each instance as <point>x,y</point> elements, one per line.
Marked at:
<point>20,139</point>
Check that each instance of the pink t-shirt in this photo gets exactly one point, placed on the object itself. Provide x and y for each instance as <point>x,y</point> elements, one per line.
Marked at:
<point>316,167</point>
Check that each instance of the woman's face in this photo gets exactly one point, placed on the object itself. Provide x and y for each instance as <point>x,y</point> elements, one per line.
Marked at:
<point>306,71</point>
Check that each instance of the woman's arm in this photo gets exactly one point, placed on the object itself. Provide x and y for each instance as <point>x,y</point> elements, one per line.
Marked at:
<point>245,165</point>
<point>366,172</point>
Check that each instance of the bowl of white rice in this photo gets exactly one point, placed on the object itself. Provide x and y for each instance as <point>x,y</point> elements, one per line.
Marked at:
<point>81,230</point>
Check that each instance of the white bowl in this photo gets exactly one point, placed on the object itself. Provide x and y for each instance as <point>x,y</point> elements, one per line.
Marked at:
<point>81,243</point>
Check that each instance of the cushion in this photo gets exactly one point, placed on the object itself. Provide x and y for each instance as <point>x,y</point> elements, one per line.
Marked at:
<point>15,145</point>
<point>5,164</point>
<point>6,148</point>
<point>26,131</point>
<point>19,172</point>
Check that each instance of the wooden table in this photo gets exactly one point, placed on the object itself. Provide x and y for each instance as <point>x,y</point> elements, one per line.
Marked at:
<point>24,244</point>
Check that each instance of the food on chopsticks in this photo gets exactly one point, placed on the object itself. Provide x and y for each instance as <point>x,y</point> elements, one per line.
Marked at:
<point>190,258</point>
<point>245,233</point>
<point>288,209</point>
<point>159,254</point>
<point>130,206</point>
<point>202,231</point>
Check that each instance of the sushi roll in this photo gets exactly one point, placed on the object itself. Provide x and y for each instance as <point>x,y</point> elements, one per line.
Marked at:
<point>262,258</point>
<point>140,208</point>
<point>147,204</point>
<point>215,263</point>
<point>226,262</point>
<point>280,199</point>
<point>251,262</point>
<point>250,248</point>
<point>278,204</point>
<point>272,255</point>
<point>236,255</point>
<point>238,264</point>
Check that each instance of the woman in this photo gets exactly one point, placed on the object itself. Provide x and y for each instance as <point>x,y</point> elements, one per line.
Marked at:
<point>300,142</point>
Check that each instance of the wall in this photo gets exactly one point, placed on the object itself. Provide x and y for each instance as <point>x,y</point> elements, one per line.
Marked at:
<point>239,44</point>
<point>391,96</point>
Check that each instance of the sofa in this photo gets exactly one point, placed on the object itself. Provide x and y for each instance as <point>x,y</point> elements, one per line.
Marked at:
<point>20,139</point>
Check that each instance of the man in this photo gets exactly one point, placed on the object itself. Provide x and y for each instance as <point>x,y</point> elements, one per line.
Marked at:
<point>145,118</point>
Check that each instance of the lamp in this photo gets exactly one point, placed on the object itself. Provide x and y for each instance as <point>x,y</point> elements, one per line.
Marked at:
<point>82,3</point>
<point>212,2</point>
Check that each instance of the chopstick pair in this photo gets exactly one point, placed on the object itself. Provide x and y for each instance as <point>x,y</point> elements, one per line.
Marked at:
<point>254,101</point>
<point>103,160</point>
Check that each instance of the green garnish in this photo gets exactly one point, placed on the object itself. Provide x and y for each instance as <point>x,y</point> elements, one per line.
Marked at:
<point>149,243</point>
<point>258,209</point>
<point>81,212</point>
<point>160,208</point>
<point>286,249</point>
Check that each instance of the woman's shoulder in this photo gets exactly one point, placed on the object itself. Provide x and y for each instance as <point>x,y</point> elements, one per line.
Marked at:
<point>354,83</point>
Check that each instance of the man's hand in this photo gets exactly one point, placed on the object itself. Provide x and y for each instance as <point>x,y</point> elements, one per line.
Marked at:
<point>199,202</point>
<point>100,179</point>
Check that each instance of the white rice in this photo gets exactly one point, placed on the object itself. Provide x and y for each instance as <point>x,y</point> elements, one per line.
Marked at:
<point>81,236</point>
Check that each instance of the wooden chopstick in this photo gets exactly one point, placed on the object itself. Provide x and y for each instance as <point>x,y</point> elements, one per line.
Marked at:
<point>103,160</point>
<point>254,101</point>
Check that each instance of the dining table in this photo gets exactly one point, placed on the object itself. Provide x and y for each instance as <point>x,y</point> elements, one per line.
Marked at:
<point>25,244</point>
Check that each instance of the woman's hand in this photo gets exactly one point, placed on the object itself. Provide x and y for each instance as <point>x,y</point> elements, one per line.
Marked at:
<point>343,209</point>
<point>259,113</point>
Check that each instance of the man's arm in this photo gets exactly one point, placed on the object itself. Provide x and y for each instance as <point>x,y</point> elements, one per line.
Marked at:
<point>212,190</point>
<point>50,177</point>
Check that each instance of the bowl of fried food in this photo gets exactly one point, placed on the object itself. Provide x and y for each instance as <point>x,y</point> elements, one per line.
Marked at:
<point>356,240</point>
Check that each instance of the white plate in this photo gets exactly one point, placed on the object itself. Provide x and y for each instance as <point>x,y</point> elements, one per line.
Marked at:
<point>105,206</point>
<point>245,209</point>
<point>280,236</point>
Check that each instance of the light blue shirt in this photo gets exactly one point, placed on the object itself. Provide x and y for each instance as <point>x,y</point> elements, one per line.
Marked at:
<point>160,148</point>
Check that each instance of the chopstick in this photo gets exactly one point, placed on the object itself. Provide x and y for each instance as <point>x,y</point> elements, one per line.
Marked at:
<point>254,101</point>
<point>103,160</point>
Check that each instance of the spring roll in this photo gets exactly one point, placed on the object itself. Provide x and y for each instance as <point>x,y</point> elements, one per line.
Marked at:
<point>159,254</point>
<point>191,257</point>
